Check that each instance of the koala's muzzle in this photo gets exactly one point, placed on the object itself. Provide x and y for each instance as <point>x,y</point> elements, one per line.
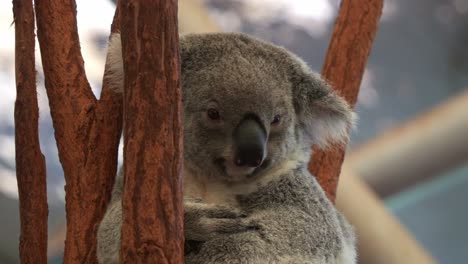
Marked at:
<point>250,142</point>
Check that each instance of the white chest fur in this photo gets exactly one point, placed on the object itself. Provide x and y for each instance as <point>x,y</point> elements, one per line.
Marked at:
<point>215,191</point>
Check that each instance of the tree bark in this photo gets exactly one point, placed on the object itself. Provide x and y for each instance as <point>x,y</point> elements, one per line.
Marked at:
<point>152,229</point>
<point>87,131</point>
<point>343,68</point>
<point>30,163</point>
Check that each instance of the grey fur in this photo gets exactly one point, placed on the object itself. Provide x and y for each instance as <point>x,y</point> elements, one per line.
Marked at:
<point>276,213</point>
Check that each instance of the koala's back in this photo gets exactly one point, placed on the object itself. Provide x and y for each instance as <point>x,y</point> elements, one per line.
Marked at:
<point>108,236</point>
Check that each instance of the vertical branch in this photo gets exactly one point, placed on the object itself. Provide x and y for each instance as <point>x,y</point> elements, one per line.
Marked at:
<point>344,66</point>
<point>152,199</point>
<point>87,131</point>
<point>105,141</point>
<point>30,163</point>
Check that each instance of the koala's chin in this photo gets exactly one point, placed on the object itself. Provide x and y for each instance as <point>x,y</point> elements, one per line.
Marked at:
<point>234,173</point>
<point>229,172</point>
<point>241,174</point>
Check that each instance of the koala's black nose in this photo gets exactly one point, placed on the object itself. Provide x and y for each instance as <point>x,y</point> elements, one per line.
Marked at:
<point>250,142</point>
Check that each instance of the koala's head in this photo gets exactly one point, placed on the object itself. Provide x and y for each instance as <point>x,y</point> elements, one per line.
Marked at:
<point>249,104</point>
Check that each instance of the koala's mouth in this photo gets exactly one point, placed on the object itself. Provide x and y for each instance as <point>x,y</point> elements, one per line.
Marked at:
<point>264,165</point>
<point>232,171</point>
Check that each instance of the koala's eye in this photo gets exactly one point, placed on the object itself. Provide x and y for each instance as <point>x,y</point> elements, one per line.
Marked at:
<point>213,114</point>
<point>276,120</point>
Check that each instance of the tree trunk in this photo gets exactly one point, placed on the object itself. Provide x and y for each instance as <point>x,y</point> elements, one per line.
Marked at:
<point>152,229</point>
<point>343,68</point>
<point>30,163</point>
<point>87,131</point>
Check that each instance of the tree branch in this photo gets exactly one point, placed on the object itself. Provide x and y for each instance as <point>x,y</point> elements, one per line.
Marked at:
<point>87,131</point>
<point>344,66</point>
<point>152,229</point>
<point>30,163</point>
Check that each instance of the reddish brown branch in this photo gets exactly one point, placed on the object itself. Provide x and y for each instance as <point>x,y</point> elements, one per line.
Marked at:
<point>87,131</point>
<point>30,163</point>
<point>152,199</point>
<point>344,66</point>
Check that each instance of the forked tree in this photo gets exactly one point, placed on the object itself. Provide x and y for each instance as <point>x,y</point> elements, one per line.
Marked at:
<point>87,130</point>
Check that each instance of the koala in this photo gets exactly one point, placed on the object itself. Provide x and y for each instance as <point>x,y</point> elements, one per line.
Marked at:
<point>252,111</point>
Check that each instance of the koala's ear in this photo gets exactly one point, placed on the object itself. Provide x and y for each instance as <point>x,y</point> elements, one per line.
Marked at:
<point>323,115</point>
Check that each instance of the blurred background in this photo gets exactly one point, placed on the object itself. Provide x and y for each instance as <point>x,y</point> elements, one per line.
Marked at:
<point>408,155</point>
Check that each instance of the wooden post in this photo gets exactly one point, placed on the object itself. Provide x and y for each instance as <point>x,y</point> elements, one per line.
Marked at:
<point>87,130</point>
<point>152,229</point>
<point>30,163</point>
<point>343,68</point>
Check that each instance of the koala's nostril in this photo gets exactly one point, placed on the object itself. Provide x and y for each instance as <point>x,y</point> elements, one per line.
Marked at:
<point>257,163</point>
<point>239,162</point>
<point>251,156</point>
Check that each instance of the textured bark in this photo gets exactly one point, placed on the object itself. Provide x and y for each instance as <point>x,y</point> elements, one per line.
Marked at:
<point>343,68</point>
<point>87,131</point>
<point>152,230</point>
<point>30,163</point>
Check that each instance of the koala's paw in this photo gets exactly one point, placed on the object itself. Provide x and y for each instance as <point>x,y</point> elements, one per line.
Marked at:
<point>197,208</point>
<point>205,222</point>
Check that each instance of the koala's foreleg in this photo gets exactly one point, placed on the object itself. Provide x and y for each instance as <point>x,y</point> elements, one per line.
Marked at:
<point>203,222</point>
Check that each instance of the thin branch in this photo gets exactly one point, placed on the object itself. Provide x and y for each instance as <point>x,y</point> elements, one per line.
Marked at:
<point>152,229</point>
<point>344,66</point>
<point>30,163</point>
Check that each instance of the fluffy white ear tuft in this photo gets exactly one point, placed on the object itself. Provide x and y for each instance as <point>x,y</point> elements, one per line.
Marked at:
<point>114,74</point>
<point>324,116</point>
<point>330,121</point>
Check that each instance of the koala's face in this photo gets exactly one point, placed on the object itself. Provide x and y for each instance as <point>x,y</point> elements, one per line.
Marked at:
<point>246,106</point>
<point>239,119</point>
